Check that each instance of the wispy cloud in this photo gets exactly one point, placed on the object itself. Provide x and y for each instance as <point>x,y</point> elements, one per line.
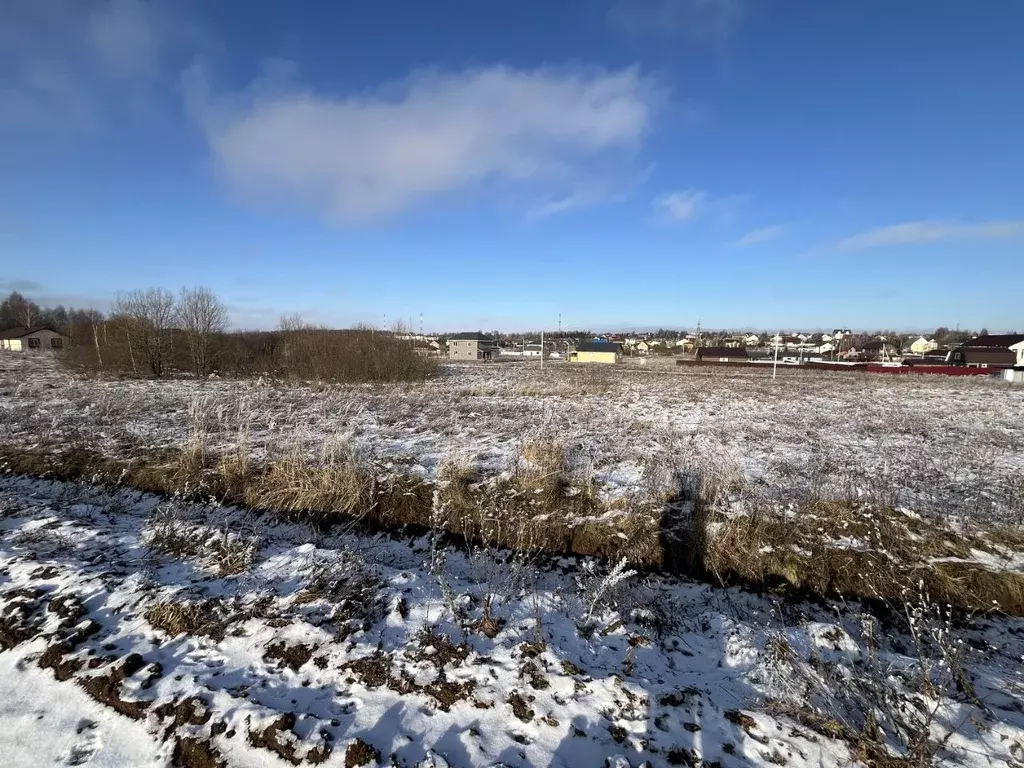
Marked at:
<point>680,206</point>
<point>930,231</point>
<point>548,134</point>
<point>761,235</point>
<point>689,204</point>
<point>67,65</point>
<point>713,21</point>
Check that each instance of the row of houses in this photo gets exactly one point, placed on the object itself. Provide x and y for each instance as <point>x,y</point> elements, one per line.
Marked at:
<point>985,351</point>
<point>481,346</point>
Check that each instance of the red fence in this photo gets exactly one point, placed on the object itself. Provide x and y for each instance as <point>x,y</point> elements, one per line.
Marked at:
<point>892,370</point>
<point>941,370</point>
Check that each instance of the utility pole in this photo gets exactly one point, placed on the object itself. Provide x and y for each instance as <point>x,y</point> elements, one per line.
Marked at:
<point>542,349</point>
<point>775,365</point>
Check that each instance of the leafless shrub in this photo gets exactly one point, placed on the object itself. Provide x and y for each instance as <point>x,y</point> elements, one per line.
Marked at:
<point>344,581</point>
<point>233,553</point>
<point>886,708</point>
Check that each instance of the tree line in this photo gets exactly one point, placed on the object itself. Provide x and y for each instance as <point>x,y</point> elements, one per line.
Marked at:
<point>156,333</point>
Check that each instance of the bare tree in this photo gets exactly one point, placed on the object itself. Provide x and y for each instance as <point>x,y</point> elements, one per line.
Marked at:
<point>15,309</point>
<point>150,314</point>
<point>202,316</point>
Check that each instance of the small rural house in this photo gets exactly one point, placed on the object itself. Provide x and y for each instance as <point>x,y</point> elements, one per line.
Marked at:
<point>722,355</point>
<point>472,346</point>
<point>923,345</point>
<point>536,350</point>
<point>990,351</point>
<point>21,339</point>
<point>596,352</point>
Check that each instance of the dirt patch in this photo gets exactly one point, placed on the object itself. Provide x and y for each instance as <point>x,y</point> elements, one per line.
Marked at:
<point>377,670</point>
<point>189,711</point>
<point>54,658</point>
<point>292,656</point>
<point>440,651</point>
<point>359,753</point>
<point>372,671</point>
<point>521,706</point>
<point>106,689</point>
<point>196,753</point>
<point>448,693</point>
<point>280,738</point>
<point>69,607</point>
<point>532,671</point>
<point>741,719</point>
<point>20,616</point>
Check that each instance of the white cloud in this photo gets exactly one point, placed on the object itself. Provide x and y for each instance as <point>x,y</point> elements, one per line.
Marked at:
<point>930,231</point>
<point>713,21</point>
<point>551,134</point>
<point>761,235</point>
<point>681,206</point>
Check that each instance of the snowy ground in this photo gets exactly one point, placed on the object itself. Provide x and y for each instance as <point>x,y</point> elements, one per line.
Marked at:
<point>344,648</point>
<point>949,446</point>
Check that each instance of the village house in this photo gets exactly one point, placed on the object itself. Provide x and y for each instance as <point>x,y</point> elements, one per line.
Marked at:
<point>596,352</point>
<point>536,350</point>
<point>21,339</point>
<point>472,346</point>
<point>990,351</point>
<point>923,345</point>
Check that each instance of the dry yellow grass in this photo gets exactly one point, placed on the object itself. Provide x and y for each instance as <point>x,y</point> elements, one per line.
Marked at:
<point>824,548</point>
<point>340,484</point>
<point>179,617</point>
<point>833,548</point>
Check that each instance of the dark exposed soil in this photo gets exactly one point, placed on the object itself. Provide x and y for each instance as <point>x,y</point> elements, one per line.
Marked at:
<point>20,616</point>
<point>106,689</point>
<point>68,607</point>
<point>55,658</point>
<point>273,738</point>
<point>280,738</point>
<point>189,711</point>
<point>360,753</point>
<point>292,656</point>
<point>196,753</point>
<point>520,706</point>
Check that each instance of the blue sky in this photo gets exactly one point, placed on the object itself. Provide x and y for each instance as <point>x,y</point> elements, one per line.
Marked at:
<point>493,165</point>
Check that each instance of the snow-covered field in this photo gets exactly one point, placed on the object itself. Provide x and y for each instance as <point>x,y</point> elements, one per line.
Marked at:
<point>344,649</point>
<point>936,444</point>
<point>138,629</point>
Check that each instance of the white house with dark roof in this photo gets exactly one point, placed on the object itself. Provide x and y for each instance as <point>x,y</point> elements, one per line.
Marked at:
<point>21,339</point>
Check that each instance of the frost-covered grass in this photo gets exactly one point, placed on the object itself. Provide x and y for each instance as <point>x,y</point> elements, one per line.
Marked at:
<point>602,461</point>
<point>118,647</point>
<point>949,446</point>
